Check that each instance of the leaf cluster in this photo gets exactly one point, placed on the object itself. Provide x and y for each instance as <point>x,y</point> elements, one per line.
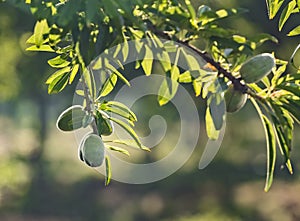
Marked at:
<point>77,31</point>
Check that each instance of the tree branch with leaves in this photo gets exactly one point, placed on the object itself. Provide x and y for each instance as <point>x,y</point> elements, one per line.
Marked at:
<point>76,32</point>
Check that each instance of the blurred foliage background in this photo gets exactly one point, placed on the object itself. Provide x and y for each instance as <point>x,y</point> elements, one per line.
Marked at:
<point>42,179</point>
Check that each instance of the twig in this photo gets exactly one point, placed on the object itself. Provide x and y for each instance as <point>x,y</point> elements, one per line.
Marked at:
<point>89,101</point>
<point>238,85</point>
<point>89,104</point>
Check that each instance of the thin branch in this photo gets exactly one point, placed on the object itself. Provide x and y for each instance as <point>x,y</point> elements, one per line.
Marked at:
<point>89,101</point>
<point>238,85</point>
<point>89,104</point>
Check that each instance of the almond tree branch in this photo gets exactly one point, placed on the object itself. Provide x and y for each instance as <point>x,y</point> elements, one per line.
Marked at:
<point>238,85</point>
<point>89,101</point>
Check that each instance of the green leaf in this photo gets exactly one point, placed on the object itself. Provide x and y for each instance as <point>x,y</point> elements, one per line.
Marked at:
<point>104,125</point>
<point>167,91</point>
<point>108,170</point>
<point>57,74</point>
<point>130,143</point>
<point>295,31</point>
<point>271,145</point>
<point>125,49</point>
<point>92,149</point>
<point>293,88</point>
<point>58,62</point>
<point>293,106</point>
<point>120,106</point>
<point>89,81</point>
<point>165,60</point>
<point>147,62</point>
<point>45,48</point>
<point>108,86</point>
<point>41,28</point>
<point>271,151</point>
<point>273,7</point>
<point>287,11</point>
<point>80,92</point>
<point>74,72</point>
<point>118,149</point>
<point>31,40</point>
<point>217,109</point>
<point>91,10</point>
<point>185,77</point>
<point>128,129</point>
<point>190,9</point>
<point>192,62</point>
<point>263,37</point>
<point>211,131</point>
<point>59,83</point>
<point>283,143</point>
<point>71,119</point>
<point>121,112</point>
<point>197,85</point>
<point>115,71</point>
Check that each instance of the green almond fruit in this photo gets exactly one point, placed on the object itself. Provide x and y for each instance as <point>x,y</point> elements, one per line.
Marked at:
<point>104,125</point>
<point>91,150</point>
<point>234,99</point>
<point>71,119</point>
<point>203,9</point>
<point>257,67</point>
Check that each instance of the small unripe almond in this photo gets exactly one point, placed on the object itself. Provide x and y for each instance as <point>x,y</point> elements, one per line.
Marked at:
<point>234,99</point>
<point>257,67</point>
<point>91,150</point>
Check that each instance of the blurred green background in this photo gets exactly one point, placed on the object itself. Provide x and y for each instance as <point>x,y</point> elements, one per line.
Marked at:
<point>41,178</point>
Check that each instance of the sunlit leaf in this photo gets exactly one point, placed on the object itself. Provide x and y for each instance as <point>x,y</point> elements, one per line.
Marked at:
<point>273,7</point>
<point>130,143</point>
<point>165,60</point>
<point>271,151</point>
<point>167,91</point>
<point>287,11</point>
<point>108,170</point>
<point>41,28</point>
<point>185,77</point>
<point>59,83</point>
<point>197,85</point>
<point>295,31</point>
<point>271,145</point>
<point>74,72</point>
<point>283,141</point>
<point>122,107</point>
<point>57,74</point>
<point>118,149</point>
<point>128,129</point>
<point>115,71</point>
<point>293,88</point>
<point>45,48</point>
<point>108,85</point>
<point>58,62</point>
<point>217,109</point>
<point>191,9</point>
<point>147,61</point>
<point>211,131</point>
